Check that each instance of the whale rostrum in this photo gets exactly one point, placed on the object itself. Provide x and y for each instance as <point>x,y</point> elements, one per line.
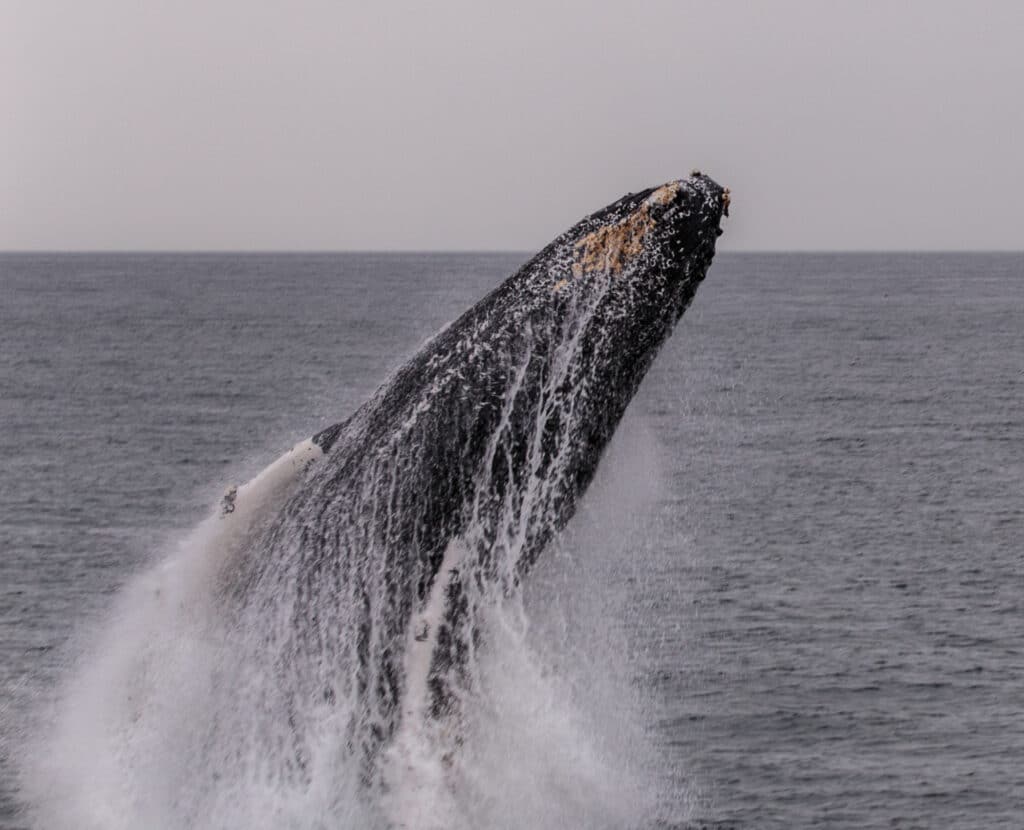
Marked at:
<point>364,555</point>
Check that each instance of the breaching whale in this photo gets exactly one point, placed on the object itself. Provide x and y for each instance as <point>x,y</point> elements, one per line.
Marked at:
<point>363,556</point>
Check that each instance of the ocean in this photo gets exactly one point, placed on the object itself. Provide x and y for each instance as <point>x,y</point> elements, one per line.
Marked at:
<point>793,597</point>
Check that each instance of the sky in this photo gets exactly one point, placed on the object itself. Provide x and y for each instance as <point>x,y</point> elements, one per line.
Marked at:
<point>475,125</point>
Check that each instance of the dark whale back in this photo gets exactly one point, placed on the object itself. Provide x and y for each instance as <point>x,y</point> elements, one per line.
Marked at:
<point>447,484</point>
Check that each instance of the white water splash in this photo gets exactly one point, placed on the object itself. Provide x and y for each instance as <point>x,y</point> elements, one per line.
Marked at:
<point>554,736</point>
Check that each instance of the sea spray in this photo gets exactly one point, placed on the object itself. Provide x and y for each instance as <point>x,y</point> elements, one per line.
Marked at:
<point>151,728</point>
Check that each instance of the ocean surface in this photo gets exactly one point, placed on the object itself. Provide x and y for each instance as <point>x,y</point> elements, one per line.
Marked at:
<point>806,543</point>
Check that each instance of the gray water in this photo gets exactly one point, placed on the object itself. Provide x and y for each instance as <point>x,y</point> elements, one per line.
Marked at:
<point>826,618</point>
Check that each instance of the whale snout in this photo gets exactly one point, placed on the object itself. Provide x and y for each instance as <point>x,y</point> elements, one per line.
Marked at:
<point>688,212</point>
<point>711,199</point>
<point>684,211</point>
<point>678,213</point>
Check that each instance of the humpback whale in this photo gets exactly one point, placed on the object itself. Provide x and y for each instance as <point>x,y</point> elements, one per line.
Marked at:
<point>364,555</point>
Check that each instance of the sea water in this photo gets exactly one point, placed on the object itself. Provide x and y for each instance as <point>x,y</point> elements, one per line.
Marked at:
<point>791,599</point>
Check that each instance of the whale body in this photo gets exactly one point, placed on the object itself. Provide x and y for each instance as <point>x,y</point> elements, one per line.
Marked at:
<point>364,555</point>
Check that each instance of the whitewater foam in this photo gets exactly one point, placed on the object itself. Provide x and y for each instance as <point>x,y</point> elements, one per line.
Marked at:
<point>151,727</point>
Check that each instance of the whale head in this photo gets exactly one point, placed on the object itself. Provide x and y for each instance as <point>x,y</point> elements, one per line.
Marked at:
<point>616,283</point>
<point>606,295</point>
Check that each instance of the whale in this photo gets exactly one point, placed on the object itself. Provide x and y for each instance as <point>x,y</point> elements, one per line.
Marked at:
<point>365,556</point>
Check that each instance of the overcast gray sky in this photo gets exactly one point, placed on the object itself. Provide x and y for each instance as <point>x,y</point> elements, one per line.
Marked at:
<point>455,124</point>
